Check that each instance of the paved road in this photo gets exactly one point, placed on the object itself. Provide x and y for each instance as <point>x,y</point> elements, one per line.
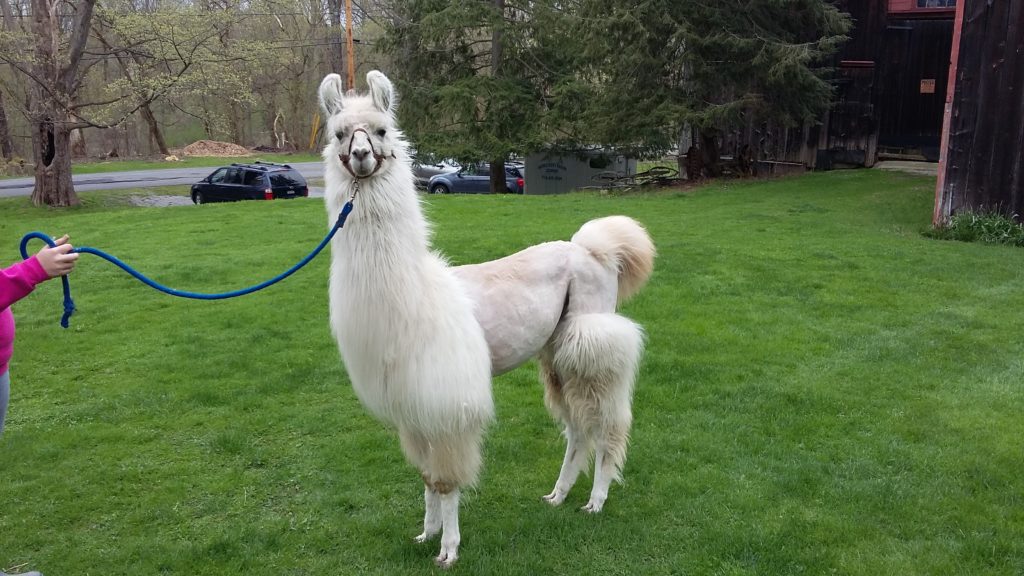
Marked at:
<point>140,179</point>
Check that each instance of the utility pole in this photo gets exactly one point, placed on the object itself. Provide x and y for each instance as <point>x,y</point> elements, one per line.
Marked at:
<point>350,47</point>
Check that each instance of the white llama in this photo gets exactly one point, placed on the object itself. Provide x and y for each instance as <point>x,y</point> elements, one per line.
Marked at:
<point>420,339</point>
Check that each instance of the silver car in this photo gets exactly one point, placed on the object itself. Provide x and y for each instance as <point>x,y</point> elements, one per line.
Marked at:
<point>426,166</point>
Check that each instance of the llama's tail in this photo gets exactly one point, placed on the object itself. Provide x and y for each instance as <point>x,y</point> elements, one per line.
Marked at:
<point>620,243</point>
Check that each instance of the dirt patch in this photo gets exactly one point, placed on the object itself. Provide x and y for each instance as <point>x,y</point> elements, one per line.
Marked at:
<point>214,148</point>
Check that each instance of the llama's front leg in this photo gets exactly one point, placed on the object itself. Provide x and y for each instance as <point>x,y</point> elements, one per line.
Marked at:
<point>574,462</point>
<point>432,516</point>
<point>450,536</point>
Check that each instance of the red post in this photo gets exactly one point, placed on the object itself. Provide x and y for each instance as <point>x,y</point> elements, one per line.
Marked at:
<point>947,115</point>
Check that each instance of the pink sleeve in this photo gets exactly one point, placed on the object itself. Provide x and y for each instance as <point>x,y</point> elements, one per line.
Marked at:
<point>18,280</point>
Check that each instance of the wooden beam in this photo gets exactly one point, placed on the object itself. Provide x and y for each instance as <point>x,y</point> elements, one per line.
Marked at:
<point>947,115</point>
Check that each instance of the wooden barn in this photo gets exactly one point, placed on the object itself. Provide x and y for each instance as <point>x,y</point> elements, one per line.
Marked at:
<point>890,81</point>
<point>982,167</point>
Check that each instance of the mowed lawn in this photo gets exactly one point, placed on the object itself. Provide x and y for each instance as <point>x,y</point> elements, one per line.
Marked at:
<point>825,391</point>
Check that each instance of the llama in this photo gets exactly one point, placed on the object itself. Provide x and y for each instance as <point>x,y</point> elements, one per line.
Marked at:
<point>421,340</point>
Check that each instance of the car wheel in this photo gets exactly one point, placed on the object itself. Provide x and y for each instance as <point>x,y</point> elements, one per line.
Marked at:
<point>439,189</point>
<point>197,198</point>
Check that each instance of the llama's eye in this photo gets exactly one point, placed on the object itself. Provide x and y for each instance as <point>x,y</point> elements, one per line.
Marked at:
<point>381,132</point>
<point>340,134</point>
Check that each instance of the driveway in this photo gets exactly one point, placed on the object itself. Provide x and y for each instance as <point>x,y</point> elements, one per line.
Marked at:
<point>144,179</point>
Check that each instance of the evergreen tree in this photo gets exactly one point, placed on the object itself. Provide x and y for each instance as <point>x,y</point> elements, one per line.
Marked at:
<point>475,77</point>
<point>661,65</point>
<point>625,74</point>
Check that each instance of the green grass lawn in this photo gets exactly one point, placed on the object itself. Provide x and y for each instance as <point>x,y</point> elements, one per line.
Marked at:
<point>825,391</point>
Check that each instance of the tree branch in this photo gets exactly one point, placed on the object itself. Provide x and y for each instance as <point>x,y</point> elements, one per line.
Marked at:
<point>79,37</point>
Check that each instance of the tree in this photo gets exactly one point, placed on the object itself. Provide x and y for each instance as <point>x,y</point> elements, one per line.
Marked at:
<point>171,48</point>
<point>6,146</point>
<point>653,69</point>
<point>168,51</point>
<point>614,73</point>
<point>56,79</point>
<point>472,77</point>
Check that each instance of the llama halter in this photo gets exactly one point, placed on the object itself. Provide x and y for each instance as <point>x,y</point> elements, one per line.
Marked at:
<point>69,304</point>
<point>376,156</point>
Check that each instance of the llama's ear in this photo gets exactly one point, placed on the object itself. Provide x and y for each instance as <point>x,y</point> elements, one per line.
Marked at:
<point>382,92</point>
<point>330,94</point>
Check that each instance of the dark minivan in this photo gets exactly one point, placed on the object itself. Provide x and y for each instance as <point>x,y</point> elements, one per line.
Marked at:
<point>256,181</point>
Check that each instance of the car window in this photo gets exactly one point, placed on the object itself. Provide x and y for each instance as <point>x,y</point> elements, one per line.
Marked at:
<point>512,171</point>
<point>287,178</point>
<point>234,176</point>
<point>218,176</point>
<point>253,178</point>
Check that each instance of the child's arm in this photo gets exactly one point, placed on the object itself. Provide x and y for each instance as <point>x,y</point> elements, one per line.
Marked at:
<point>21,278</point>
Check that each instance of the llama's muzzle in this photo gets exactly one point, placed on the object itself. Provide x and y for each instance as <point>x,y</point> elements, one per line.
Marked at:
<point>361,154</point>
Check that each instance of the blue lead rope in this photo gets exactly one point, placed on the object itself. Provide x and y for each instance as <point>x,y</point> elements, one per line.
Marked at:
<point>69,304</point>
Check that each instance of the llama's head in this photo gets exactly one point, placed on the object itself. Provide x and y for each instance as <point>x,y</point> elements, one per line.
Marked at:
<point>363,136</point>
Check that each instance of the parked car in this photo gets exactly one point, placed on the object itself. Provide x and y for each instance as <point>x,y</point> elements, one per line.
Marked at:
<point>424,166</point>
<point>476,178</point>
<point>256,181</point>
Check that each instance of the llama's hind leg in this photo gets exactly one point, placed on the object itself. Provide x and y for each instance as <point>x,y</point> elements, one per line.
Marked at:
<point>576,448</point>
<point>575,461</point>
<point>597,356</point>
<point>609,457</point>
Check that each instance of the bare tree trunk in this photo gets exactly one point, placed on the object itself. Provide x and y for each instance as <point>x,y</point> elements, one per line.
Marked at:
<point>145,111</point>
<point>6,145</point>
<point>51,95</point>
<point>336,32</point>
<point>154,129</point>
<point>709,146</point>
<point>51,138</point>
<point>51,153</point>
<point>78,147</point>
<point>497,47</point>
<point>682,144</point>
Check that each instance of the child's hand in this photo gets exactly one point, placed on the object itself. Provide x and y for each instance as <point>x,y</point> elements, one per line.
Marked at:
<point>59,260</point>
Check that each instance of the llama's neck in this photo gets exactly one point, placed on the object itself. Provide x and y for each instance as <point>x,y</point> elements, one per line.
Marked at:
<point>386,233</point>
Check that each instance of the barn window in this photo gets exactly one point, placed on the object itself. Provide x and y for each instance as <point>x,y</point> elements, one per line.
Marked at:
<point>936,3</point>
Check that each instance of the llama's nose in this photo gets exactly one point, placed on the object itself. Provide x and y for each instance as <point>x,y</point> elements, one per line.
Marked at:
<point>361,153</point>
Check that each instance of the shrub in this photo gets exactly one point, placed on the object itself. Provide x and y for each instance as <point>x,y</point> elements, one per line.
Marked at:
<point>988,227</point>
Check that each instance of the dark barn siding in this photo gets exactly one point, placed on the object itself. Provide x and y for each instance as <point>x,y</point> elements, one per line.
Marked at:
<point>984,164</point>
<point>868,18</point>
<point>914,51</point>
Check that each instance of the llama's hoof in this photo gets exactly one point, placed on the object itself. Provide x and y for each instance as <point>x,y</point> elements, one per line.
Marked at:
<point>446,558</point>
<point>593,507</point>
<point>554,498</point>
